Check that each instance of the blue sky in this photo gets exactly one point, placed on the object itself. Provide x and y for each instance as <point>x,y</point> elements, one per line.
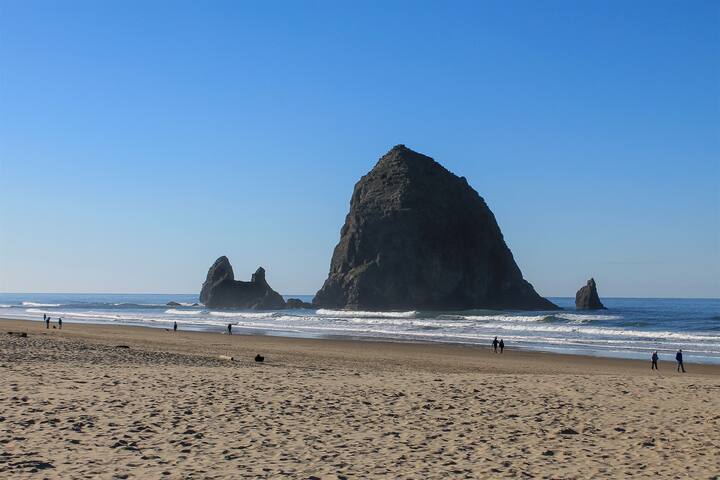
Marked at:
<point>141,140</point>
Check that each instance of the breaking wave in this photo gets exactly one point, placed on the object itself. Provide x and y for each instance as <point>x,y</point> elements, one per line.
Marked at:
<point>361,314</point>
<point>243,314</point>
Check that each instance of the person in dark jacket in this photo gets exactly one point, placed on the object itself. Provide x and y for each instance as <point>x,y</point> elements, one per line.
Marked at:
<point>654,359</point>
<point>229,328</point>
<point>60,323</point>
<point>679,358</point>
<point>174,326</point>
<point>502,345</point>
<point>495,344</point>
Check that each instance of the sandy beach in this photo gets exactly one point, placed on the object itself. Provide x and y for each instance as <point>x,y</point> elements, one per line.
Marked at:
<point>93,401</point>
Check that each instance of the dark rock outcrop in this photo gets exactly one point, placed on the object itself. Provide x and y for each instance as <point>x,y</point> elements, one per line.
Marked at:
<point>587,297</point>
<point>297,303</point>
<point>173,304</point>
<point>221,290</point>
<point>419,237</point>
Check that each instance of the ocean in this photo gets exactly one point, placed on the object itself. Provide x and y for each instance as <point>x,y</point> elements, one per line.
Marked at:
<point>629,328</point>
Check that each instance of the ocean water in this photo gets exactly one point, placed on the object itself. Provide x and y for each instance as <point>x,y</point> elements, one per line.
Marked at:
<point>629,328</point>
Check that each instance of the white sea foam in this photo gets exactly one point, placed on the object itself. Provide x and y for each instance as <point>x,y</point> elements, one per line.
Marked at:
<point>409,323</point>
<point>243,314</point>
<point>506,318</point>
<point>33,304</point>
<point>582,318</point>
<point>2,305</point>
<point>99,315</point>
<point>174,311</point>
<point>600,331</point>
<point>360,314</point>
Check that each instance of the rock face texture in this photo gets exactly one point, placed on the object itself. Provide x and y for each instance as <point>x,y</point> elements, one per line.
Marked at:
<point>221,290</point>
<point>587,297</point>
<point>419,237</point>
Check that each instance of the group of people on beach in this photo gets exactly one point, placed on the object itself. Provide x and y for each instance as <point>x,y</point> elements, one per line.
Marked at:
<point>678,358</point>
<point>654,358</point>
<point>46,320</point>
<point>500,344</point>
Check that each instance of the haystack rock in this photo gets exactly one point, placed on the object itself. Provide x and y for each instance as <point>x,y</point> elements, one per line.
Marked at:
<point>221,290</point>
<point>587,297</point>
<point>419,237</point>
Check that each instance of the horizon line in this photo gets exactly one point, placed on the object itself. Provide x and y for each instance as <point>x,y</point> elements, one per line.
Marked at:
<point>312,295</point>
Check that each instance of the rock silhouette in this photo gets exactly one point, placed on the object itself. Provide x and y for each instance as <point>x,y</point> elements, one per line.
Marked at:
<point>296,303</point>
<point>587,297</point>
<point>419,237</point>
<point>221,290</point>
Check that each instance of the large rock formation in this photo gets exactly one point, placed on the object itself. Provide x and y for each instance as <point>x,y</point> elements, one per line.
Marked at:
<point>419,237</point>
<point>587,297</point>
<point>221,290</point>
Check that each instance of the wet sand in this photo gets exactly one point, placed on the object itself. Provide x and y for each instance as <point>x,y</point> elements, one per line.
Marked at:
<point>93,401</point>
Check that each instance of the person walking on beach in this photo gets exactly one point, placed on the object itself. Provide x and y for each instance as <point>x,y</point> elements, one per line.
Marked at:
<point>679,358</point>
<point>60,323</point>
<point>229,328</point>
<point>495,344</point>
<point>47,322</point>
<point>44,317</point>
<point>654,359</point>
<point>502,345</point>
<point>174,326</point>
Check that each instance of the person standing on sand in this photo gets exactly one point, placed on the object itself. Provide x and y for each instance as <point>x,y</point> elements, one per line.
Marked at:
<point>229,328</point>
<point>654,359</point>
<point>60,323</point>
<point>44,317</point>
<point>679,358</point>
<point>502,345</point>
<point>495,344</point>
<point>174,326</point>
<point>47,322</point>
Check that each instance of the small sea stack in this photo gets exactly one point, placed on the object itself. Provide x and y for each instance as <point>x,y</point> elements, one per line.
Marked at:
<point>296,303</point>
<point>587,297</point>
<point>221,290</point>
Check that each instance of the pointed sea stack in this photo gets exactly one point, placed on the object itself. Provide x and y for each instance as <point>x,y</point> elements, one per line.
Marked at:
<point>419,237</point>
<point>221,290</point>
<point>587,297</point>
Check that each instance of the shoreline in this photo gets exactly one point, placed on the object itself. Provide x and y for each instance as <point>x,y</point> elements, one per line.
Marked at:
<point>240,331</point>
<point>202,343</point>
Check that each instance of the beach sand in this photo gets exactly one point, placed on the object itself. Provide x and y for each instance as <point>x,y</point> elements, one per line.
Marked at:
<point>76,405</point>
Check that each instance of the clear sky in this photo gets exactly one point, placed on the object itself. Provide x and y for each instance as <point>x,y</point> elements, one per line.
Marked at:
<point>140,140</point>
